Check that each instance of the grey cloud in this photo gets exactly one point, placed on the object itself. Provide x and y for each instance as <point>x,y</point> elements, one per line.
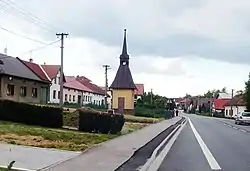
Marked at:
<point>104,22</point>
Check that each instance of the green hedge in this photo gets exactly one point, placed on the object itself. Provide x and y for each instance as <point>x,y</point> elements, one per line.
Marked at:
<point>31,114</point>
<point>151,113</point>
<point>100,122</point>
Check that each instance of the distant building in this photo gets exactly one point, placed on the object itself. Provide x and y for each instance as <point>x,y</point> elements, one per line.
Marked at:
<point>224,96</point>
<point>139,91</point>
<point>123,85</point>
<point>238,104</point>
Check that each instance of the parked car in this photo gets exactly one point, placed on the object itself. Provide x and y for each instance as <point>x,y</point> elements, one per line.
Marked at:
<point>243,118</point>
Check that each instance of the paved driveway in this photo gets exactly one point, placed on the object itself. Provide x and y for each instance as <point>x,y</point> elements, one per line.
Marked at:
<point>32,158</point>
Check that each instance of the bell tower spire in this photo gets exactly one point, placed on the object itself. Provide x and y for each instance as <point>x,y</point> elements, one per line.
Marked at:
<point>124,57</point>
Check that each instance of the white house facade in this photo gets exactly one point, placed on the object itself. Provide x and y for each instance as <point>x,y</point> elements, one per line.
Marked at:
<point>55,89</point>
<point>236,110</point>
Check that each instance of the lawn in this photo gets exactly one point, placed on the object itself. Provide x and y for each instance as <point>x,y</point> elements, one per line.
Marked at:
<point>20,134</point>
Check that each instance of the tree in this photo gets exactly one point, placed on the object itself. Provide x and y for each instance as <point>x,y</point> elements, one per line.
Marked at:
<point>247,93</point>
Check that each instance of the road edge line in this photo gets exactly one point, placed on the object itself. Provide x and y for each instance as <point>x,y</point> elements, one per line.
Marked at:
<point>159,159</point>
<point>153,156</point>
<point>207,153</point>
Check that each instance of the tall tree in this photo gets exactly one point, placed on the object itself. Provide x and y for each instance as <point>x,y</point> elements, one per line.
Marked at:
<point>247,93</point>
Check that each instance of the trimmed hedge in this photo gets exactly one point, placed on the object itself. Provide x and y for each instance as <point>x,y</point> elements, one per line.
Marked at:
<point>151,113</point>
<point>31,114</point>
<point>100,122</point>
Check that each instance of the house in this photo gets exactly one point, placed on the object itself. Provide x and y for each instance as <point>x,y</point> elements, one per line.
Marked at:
<point>109,97</point>
<point>123,86</point>
<point>20,83</point>
<point>139,91</point>
<point>219,105</point>
<point>53,73</point>
<point>237,104</point>
<point>224,96</point>
<point>97,94</point>
<point>49,73</point>
<point>74,91</point>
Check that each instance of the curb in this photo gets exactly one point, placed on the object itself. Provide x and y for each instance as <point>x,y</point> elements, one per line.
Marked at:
<point>154,138</point>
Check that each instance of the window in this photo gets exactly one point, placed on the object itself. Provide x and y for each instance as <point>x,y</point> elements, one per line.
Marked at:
<point>58,80</point>
<point>83,99</point>
<point>94,101</point>
<point>54,94</point>
<point>70,98</point>
<point>34,92</point>
<point>55,81</point>
<point>66,97</point>
<point>226,112</point>
<point>23,91</point>
<point>99,102</point>
<point>10,90</point>
<point>74,98</point>
<point>58,95</point>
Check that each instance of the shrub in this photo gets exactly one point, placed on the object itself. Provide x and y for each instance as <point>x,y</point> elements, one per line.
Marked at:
<point>100,122</point>
<point>31,114</point>
<point>151,113</point>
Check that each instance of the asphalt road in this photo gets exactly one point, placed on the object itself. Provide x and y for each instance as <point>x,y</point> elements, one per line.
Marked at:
<point>220,147</point>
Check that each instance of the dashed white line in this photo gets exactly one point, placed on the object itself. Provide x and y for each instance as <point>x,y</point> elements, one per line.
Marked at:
<point>235,127</point>
<point>242,130</point>
<point>229,126</point>
<point>210,158</point>
<point>225,124</point>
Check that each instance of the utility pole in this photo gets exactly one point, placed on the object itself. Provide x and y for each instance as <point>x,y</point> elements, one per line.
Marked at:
<point>106,67</point>
<point>151,96</point>
<point>61,35</point>
<point>232,95</point>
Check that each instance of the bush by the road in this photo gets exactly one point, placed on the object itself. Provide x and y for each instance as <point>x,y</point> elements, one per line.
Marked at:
<point>151,113</point>
<point>100,122</point>
<point>31,114</point>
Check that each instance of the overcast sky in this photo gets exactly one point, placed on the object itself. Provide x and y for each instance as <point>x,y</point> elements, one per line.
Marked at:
<point>175,46</point>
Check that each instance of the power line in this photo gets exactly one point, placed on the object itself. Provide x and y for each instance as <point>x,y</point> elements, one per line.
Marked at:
<point>28,16</point>
<point>22,36</point>
<point>42,47</point>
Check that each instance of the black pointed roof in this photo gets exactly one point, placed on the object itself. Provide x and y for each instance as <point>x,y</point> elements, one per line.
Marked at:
<point>123,78</point>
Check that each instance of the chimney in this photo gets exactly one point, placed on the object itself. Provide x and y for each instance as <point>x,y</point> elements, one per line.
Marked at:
<point>44,63</point>
<point>31,60</point>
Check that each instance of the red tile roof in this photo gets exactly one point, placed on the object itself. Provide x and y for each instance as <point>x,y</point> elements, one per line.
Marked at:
<point>220,103</point>
<point>237,100</point>
<point>74,84</point>
<point>36,69</point>
<point>139,89</point>
<point>52,70</point>
<point>85,81</point>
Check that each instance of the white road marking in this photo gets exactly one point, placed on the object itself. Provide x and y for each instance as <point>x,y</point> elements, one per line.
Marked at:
<point>235,127</point>
<point>224,124</point>
<point>153,156</point>
<point>159,159</point>
<point>210,158</point>
<point>242,130</point>
<point>229,125</point>
<point>15,168</point>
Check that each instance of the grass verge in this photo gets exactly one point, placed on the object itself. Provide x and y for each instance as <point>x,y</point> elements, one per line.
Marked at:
<point>27,135</point>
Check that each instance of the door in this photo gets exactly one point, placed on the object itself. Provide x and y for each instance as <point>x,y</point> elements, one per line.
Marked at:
<point>43,96</point>
<point>79,100</point>
<point>121,103</point>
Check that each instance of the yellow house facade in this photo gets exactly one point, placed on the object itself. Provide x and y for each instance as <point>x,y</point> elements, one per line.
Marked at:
<point>123,85</point>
